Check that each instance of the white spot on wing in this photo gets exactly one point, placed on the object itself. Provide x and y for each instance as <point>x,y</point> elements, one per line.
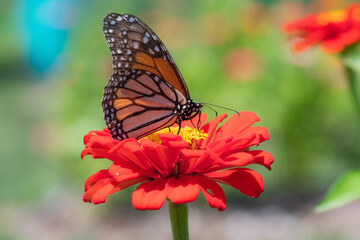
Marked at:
<point>151,51</point>
<point>136,45</point>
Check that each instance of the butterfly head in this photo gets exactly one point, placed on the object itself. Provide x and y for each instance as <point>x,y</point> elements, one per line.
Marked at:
<point>189,110</point>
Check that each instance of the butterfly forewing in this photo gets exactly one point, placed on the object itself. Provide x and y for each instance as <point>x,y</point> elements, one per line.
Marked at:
<point>134,45</point>
<point>146,91</point>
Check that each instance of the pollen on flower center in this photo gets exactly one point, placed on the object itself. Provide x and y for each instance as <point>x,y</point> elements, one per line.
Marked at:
<point>333,16</point>
<point>190,135</point>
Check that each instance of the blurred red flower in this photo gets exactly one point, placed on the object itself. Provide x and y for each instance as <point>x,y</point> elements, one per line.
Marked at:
<point>177,167</point>
<point>334,30</point>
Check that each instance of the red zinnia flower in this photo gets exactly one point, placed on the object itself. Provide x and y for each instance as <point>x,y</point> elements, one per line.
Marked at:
<point>334,30</point>
<point>178,166</point>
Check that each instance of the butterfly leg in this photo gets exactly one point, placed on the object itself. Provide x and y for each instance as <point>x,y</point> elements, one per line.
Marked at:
<point>199,121</point>
<point>179,123</point>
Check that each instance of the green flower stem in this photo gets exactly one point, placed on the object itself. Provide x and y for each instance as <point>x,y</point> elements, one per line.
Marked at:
<point>179,221</point>
<point>351,78</point>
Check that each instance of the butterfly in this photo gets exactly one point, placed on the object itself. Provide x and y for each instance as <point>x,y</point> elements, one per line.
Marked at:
<point>146,91</point>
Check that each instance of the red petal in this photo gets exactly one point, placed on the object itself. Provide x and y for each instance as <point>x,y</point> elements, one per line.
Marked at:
<point>122,171</point>
<point>99,191</point>
<point>237,142</point>
<point>200,161</point>
<point>239,159</point>
<point>261,133</point>
<point>351,36</point>
<point>262,158</point>
<point>172,141</point>
<point>149,195</point>
<point>96,177</point>
<point>101,184</point>
<point>102,141</point>
<point>189,160</point>
<point>94,133</point>
<point>307,23</point>
<point>236,124</point>
<point>249,157</point>
<point>183,189</point>
<point>213,192</point>
<point>131,150</point>
<point>86,151</point>
<point>159,156</point>
<point>103,152</point>
<point>245,180</point>
<point>334,44</point>
<point>211,126</point>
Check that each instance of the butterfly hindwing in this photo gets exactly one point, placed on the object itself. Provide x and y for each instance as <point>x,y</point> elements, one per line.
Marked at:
<point>139,105</point>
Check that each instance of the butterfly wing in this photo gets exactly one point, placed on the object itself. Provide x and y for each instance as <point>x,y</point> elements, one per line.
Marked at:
<point>134,45</point>
<point>146,91</point>
<point>140,104</point>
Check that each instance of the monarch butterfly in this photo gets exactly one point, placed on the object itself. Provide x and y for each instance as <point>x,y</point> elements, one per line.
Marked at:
<point>146,91</point>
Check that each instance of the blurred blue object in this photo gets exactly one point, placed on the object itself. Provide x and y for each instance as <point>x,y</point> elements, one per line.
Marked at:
<point>47,24</point>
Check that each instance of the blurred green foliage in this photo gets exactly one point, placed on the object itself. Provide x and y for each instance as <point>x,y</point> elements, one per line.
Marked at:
<point>231,53</point>
<point>343,191</point>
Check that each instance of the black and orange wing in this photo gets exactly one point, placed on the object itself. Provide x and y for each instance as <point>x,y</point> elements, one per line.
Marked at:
<point>134,45</point>
<point>140,104</point>
<point>146,91</point>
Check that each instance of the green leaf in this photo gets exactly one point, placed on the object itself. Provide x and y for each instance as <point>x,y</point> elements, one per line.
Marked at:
<point>343,191</point>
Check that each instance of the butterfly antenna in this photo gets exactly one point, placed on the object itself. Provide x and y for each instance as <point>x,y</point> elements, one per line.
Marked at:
<point>206,105</point>
<point>230,109</point>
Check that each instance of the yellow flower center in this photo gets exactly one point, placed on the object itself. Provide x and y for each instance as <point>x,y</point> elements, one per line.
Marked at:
<point>190,135</point>
<point>331,17</point>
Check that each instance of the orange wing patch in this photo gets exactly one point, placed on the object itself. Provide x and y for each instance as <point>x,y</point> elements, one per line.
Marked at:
<point>146,68</point>
<point>121,102</point>
<point>145,62</point>
<point>145,59</point>
<point>168,74</point>
<point>160,67</point>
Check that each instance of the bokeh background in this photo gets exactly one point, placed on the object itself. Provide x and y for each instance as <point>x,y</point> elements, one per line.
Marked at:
<point>55,62</point>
